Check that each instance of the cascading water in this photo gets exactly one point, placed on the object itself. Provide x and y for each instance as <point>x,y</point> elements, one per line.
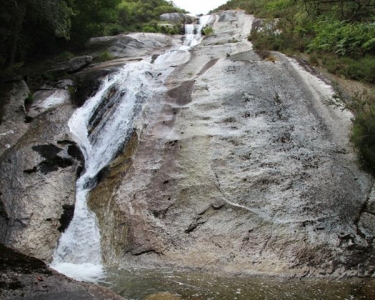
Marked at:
<point>193,33</point>
<point>101,128</point>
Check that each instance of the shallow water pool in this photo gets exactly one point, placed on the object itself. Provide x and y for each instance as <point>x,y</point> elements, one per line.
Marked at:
<point>142,284</point>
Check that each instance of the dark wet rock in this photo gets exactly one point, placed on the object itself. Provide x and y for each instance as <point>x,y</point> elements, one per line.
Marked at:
<point>111,220</point>
<point>73,65</point>
<point>87,84</point>
<point>66,217</point>
<point>24,277</point>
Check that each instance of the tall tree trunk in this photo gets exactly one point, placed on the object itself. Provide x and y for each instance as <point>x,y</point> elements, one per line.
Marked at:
<point>20,9</point>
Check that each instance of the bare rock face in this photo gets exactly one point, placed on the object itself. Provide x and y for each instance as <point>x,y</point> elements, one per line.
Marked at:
<point>38,177</point>
<point>13,125</point>
<point>241,167</point>
<point>176,18</point>
<point>72,65</point>
<point>131,45</point>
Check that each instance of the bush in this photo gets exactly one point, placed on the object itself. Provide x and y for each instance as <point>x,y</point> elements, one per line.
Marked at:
<point>362,69</point>
<point>113,29</point>
<point>104,56</point>
<point>363,131</point>
<point>29,99</point>
<point>66,55</point>
<point>148,28</point>
<point>343,39</point>
<point>207,31</point>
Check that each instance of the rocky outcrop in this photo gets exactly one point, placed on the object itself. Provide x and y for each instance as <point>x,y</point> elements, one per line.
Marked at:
<point>241,167</point>
<point>71,66</point>
<point>176,18</point>
<point>13,124</point>
<point>130,45</point>
<point>40,162</point>
<point>38,177</point>
<point>23,277</point>
<point>238,166</point>
<point>114,225</point>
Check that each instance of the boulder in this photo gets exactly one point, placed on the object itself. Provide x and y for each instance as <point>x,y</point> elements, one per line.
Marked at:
<point>38,177</point>
<point>71,66</point>
<point>176,18</point>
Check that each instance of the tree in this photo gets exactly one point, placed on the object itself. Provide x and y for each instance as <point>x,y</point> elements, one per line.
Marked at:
<point>90,16</point>
<point>52,15</point>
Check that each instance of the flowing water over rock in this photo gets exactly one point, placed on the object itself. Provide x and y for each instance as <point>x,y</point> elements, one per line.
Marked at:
<point>238,167</point>
<point>206,159</point>
<point>101,128</point>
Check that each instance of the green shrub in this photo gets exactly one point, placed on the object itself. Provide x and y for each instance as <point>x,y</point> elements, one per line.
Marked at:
<point>104,56</point>
<point>207,31</point>
<point>363,131</point>
<point>362,69</point>
<point>314,59</point>
<point>148,28</point>
<point>29,99</point>
<point>363,138</point>
<point>342,38</point>
<point>113,29</point>
<point>66,55</point>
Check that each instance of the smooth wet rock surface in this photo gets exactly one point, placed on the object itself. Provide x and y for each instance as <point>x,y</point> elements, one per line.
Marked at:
<point>241,167</point>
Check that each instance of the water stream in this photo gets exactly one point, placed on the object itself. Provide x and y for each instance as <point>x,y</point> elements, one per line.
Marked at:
<point>101,127</point>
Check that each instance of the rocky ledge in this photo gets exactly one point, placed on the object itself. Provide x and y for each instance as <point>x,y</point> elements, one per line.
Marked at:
<point>23,277</point>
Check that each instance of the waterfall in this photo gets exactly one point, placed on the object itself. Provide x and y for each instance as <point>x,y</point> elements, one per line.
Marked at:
<point>101,127</point>
<point>193,33</point>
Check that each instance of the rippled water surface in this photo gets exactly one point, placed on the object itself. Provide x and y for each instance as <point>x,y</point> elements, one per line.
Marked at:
<point>141,284</point>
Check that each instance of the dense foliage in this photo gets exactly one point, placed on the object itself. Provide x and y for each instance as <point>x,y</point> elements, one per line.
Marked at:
<point>29,27</point>
<point>338,34</point>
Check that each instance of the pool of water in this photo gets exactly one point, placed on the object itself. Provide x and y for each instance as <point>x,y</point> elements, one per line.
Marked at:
<point>142,284</point>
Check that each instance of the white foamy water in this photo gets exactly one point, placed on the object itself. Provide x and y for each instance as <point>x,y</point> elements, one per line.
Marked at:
<point>193,32</point>
<point>101,127</point>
